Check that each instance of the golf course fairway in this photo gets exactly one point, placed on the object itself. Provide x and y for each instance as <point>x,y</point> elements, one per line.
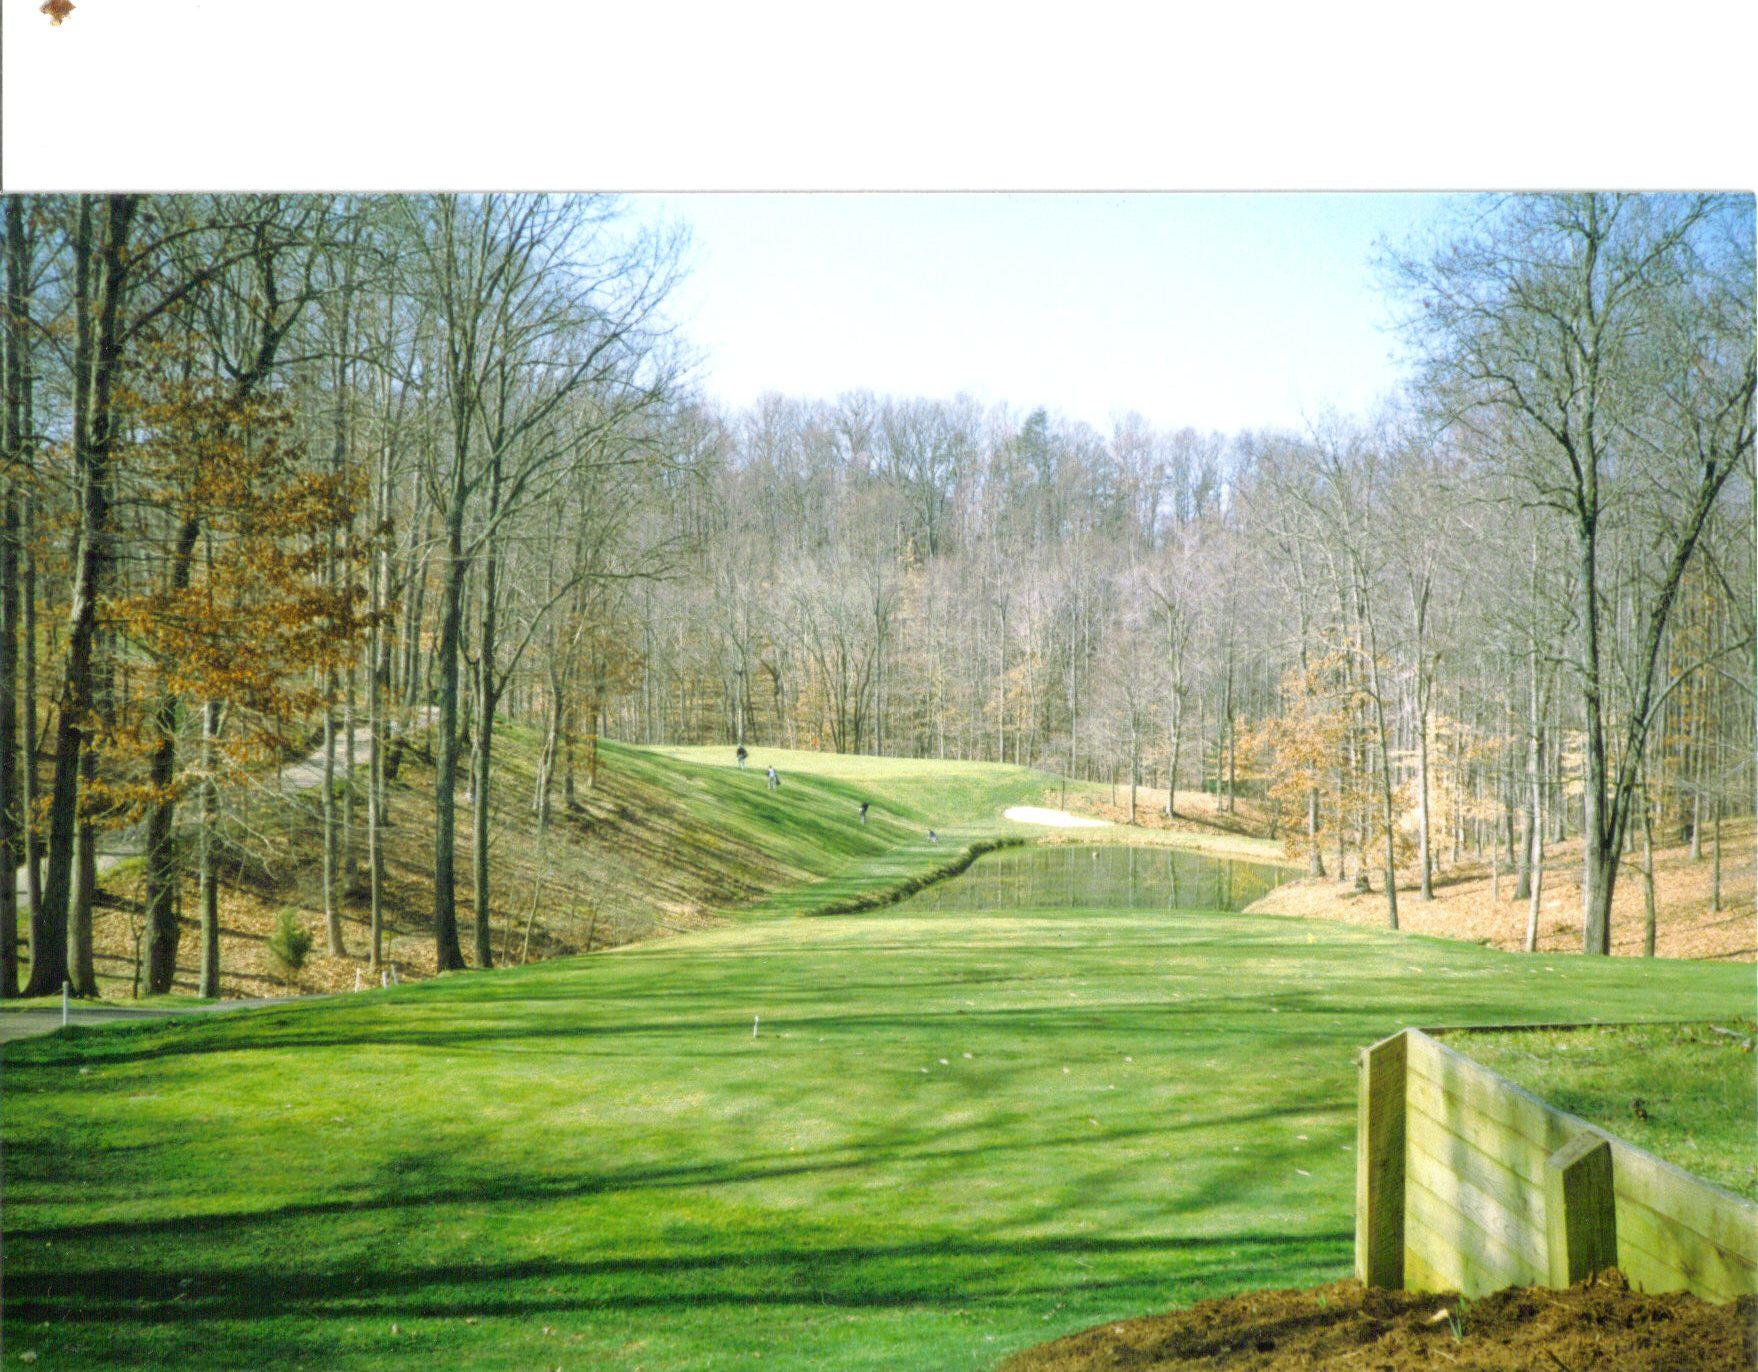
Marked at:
<point>912,1137</point>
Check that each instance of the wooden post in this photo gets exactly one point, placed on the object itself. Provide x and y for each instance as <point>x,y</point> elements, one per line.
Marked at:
<point>1379,1164</point>
<point>1580,1218</point>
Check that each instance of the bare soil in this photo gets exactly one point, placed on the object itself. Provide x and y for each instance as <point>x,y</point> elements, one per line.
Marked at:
<point>1598,1324</point>
<point>1471,903</point>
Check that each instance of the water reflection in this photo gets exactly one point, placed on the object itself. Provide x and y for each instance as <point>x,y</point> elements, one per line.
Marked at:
<point>1108,877</point>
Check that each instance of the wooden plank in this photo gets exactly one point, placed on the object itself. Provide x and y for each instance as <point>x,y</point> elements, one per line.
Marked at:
<point>1652,1218</point>
<point>1646,1272</point>
<point>1727,1220</point>
<point>1662,1257</point>
<point>1456,1244</point>
<point>1730,1220</point>
<point>1449,1132</point>
<point>1512,1213</point>
<point>1477,1130</point>
<point>1429,1264</point>
<point>1474,1087</point>
<point>1379,1164</point>
<point>1489,1170</point>
<point>1477,1160</point>
<point>1580,1216</point>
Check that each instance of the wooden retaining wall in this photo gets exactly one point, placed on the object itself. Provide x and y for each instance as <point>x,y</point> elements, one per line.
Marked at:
<point>1466,1182</point>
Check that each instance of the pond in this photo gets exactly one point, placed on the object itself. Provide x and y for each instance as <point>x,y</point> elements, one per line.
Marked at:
<point>1102,877</point>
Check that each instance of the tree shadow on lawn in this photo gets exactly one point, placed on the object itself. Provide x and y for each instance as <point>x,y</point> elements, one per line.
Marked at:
<point>850,1276</point>
<point>144,1042</point>
<point>427,1178</point>
<point>748,1261</point>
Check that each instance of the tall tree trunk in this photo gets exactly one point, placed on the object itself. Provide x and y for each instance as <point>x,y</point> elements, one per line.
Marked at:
<point>594,708</point>
<point>14,819</point>
<point>480,759</point>
<point>568,792</point>
<point>1715,869</point>
<point>448,955</point>
<point>27,781</point>
<point>1364,616</point>
<point>1648,920</point>
<point>163,870</point>
<point>1535,842</point>
<point>378,682</point>
<point>1227,708</point>
<point>1172,761</point>
<point>161,929</point>
<point>1533,901</point>
<point>1531,838</point>
<point>97,355</point>
<point>483,753</point>
<point>82,977</point>
<point>347,864</point>
<point>1134,771</point>
<point>1557,812</point>
<point>332,907</point>
<point>81,973</point>
<point>552,737</point>
<point>1427,862</point>
<point>207,863</point>
<point>1495,871</point>
<point>1599,848</point>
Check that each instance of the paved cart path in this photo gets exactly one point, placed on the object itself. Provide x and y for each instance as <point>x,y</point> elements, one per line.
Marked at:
<point>24,1024</point>
<point>297,776</point>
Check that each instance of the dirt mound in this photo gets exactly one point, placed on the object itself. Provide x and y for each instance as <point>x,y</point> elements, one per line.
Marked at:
<point>1597,1324</point>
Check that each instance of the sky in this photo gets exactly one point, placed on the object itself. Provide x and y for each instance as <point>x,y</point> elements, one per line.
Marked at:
<point>1213,311</point>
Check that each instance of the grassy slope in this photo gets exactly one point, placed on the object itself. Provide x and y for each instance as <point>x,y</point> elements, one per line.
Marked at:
<point>1698,1090</point>
<point>594,1163</point>
<point>820,796</point>
<point>667,840</point>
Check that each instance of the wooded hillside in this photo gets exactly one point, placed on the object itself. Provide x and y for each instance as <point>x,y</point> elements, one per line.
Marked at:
<point>287,473</point>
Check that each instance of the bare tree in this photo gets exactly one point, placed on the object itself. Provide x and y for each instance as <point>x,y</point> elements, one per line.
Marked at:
<point>1615,332</point>
<point>536,302</point>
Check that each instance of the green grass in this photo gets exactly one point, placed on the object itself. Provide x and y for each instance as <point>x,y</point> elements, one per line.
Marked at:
<point>813,822</point>
<point>593,1163</point>
<point>1698,1091</point>
<point>166,1002</point>
<point>950,796</point>
<point>666,839</point>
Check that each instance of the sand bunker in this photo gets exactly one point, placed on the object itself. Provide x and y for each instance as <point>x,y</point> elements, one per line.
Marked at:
<point>1054,819</point>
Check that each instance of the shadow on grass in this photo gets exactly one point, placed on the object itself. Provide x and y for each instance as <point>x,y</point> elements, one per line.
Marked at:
<point>105,1044</point>
<point>852,1276</point>
<point>894,1146</point>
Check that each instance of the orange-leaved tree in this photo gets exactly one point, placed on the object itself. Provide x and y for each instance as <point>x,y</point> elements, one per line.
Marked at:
<point>255,608</point>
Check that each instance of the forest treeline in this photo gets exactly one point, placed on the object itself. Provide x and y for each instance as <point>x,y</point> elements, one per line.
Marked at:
<point>287,472</point>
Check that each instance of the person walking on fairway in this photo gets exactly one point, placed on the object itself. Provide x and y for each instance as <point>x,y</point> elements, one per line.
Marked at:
<point>741,755</point>
<point>933,837</point>
<point>863,812</point>
<point>774,781</point>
